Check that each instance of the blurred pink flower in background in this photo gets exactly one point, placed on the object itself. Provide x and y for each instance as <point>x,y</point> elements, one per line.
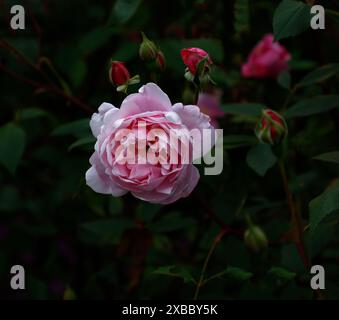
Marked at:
<point>267,59</point>
<point>209,103</point>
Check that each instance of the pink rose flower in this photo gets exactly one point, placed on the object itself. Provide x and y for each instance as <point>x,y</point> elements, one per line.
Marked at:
<point>209,103</point>
<point>115,129</point>
<point>267,59</point>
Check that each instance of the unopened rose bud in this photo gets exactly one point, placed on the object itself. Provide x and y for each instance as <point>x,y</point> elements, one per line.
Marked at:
<point>272,127</point>
<point>197,62</point>
<point>255,238</point>
<point>148,50</point>
<point>160,61</point>
<point>118,73</point>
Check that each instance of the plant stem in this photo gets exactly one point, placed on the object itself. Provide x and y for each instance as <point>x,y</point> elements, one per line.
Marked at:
<point>208,257</point>
<point>196,94</point>
<point>296,223</point>
<point>49,87</point>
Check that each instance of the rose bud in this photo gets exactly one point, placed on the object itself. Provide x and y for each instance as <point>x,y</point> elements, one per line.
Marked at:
<point>118,73</point>
<point>120,77</point>
<point>255,238</point>
<point>148,51</point>
<point>271,128</point>
<point>160,61</point>
<point>267,59</point>
<point>196,60</point>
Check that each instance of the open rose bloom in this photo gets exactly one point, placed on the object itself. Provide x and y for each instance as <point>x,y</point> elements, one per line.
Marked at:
<point>267,59</point>
<point>147,147</point>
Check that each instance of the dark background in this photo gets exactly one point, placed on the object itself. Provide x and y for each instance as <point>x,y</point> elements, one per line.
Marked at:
<point>75,243</point>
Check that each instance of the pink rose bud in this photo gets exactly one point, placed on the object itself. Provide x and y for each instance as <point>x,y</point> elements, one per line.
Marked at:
<point>255,238</point>
<point>192,57</point>
<point>148,51</point>
<point>271,128</point>
<point>118,73</point>
<point>267,59</point>
<point>160,61</point>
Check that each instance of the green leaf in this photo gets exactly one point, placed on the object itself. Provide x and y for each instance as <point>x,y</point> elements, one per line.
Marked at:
<point>312,106</point>
<point>290,19</point>
<point>328,157</point>
<point>323,205</point>
<point>284,79</point>
<point>238,274</point>
<point>318,240</point>
<point>282,273</point>
<point>78,128</point>
<point>251,109</point>
<point>146,212</point>
<point>31,113</point>
<point>174,271</point>
<point>123,11</point>
<point>171,222</point>
<point>302,64</point>
<point>95,39</point>
<point>12,145</point>
<point>261,158</point>
<point>241,16</point>
<point>320,74</point>
<point>104,232</point>
<point>82,142</point>
<point>234,273</point>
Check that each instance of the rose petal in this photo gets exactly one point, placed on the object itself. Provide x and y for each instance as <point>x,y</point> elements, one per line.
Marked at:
<point>97,119</point>
<point>97,179</point>
<point>149,98</point>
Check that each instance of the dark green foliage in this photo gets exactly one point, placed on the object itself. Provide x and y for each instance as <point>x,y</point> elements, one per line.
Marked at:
<point>76,244</point>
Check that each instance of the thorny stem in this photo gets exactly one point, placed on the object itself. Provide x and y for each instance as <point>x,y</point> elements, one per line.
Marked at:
<point>296,223</point>
<point>208,257</point>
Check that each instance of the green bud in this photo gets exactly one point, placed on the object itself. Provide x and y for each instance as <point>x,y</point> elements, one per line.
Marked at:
<point>255,238</point>
<point>148,51</point>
